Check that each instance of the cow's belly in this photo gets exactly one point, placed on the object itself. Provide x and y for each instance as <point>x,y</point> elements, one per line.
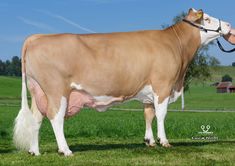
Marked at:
<point>79,98</point>
<point>146,95</point>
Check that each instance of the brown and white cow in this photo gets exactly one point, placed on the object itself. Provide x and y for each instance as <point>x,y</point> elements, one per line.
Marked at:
<point>65,72</point>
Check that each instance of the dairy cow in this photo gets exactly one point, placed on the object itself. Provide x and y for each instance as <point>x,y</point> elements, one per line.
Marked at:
<point>65,72</point>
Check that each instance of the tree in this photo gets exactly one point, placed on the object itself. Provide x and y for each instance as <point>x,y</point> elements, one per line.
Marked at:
<point>2,68</point>
<point>214,62</point>
<point>233,64</point>
<point>11,68</point>
<point>8,71</point>
<point>227,78</point>
<point>16,66</point>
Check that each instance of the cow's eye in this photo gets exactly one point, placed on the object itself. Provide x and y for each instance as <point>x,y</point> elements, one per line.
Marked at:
<point>207,20</point>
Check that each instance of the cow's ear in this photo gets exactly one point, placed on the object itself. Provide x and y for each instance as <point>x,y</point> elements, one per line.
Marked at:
<point>191,11</point>
<point>195,15</point>
<point>199,14</point>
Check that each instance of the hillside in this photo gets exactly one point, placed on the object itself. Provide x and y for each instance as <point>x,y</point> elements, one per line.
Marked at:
<point>218,72</point>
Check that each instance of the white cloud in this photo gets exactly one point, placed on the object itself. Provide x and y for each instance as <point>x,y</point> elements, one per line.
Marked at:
<point>36,24</point>
<point>66,20</point>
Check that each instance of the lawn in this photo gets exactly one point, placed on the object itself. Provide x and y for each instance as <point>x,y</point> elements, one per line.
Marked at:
<point>115,138</point>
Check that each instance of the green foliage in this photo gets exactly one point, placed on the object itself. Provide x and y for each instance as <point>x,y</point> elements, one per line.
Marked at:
<point>11,68</point>
<point>213,62</point>
<point>233,64</point>
<point>226,78</point>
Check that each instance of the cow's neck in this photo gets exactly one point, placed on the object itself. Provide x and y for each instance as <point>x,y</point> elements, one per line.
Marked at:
<point>188,40</point>
<point>188,43</point>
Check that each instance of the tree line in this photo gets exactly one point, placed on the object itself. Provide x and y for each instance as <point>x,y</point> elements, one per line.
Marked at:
<point>11,67</point>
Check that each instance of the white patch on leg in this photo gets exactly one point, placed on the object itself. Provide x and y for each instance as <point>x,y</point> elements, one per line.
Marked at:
<point>149,136</point>
<point>58,127</point>
<point>34,145</point>
<point>161,111</point>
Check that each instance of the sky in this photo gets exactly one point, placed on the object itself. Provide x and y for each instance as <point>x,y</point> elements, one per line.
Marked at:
<point>21,18</point>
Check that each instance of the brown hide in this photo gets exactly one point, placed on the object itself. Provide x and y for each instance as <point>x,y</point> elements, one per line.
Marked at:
<point>114,64</point>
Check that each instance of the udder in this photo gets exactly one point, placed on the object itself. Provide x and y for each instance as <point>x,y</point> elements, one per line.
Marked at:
<point>80,98</point>
<point>77,100</point>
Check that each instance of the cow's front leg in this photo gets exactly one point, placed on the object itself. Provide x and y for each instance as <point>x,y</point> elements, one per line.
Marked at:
<point>58,126</point>
<point>161,111</point>
<point>149,116</point>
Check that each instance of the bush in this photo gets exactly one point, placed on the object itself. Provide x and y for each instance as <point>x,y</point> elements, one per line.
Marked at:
<point>227,78</point>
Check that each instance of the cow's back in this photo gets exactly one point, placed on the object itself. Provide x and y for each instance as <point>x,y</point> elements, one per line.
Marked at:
<point>104,64</point>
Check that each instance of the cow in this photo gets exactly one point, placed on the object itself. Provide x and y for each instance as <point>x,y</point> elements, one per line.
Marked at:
<point>66,72</point>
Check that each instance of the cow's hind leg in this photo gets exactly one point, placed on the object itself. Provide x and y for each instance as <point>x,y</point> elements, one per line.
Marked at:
<point>149,115</point>
<point>57,123</point>
<point>34,145</point>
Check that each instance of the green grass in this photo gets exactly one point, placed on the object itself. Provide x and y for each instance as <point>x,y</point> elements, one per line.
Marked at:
<point>115,138</point>
<point>10,87</point>
<point>205,98</point>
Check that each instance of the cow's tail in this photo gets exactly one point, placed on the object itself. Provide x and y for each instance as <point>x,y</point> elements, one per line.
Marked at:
<point>25,122</point>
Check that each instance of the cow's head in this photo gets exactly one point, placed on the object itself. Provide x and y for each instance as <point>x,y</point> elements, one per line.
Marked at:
<point>210,27</point>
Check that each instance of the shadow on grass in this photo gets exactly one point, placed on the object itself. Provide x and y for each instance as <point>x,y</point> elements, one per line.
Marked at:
<point>201,143</point>
<point>6,148</point>
<point>2,151</point>
<point>88,147</point>
<point>176,145</point>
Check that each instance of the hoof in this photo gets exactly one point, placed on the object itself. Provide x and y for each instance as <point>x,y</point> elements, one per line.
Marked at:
<point>34,153</point>
<point>66,152</point>
<point>158,139</point>
<point>166,145</point>
<point>149,143</point>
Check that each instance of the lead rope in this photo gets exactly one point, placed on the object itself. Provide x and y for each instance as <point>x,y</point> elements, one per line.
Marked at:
<point>222,48</point>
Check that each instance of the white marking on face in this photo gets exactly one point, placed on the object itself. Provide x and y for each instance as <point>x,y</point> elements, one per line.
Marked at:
<point>209,22</point>
<point>58,127</point>
<point>194,10</point>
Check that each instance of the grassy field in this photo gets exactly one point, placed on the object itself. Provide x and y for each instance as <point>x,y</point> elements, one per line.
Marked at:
<point>116,137</point>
